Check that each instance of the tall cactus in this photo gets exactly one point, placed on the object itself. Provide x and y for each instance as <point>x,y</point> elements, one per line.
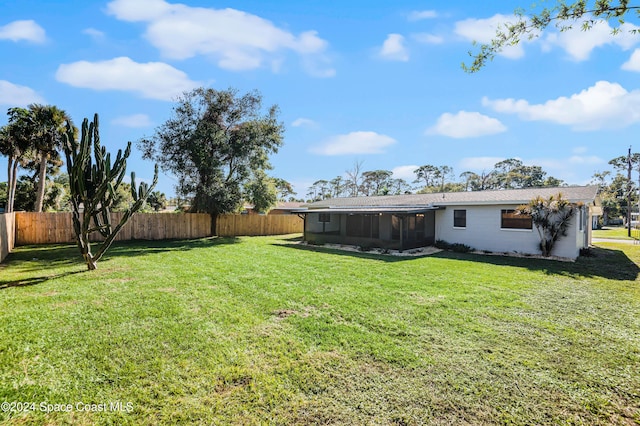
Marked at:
<point>94,182</point>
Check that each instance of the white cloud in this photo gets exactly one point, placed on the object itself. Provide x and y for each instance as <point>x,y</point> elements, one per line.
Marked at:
<point>15,95</point>
<point>479,163</point>
<point>393,48</point>
<point>604,105</point>
<point>585,159</point>
<point>140,10</point>
<point>94,34</point>
<point>152,80</point>
<point>355,143</point>
<point>404,172</point>
<point>580,150</point>
<point>303,122</point>
<point>427,38</point>
<point>633,64</point>
<point>235,39</point>
<point>418,15</point>
<point>484,30</point>
<point>579,44</point>
<point>23,30</point>
<point>466,125</point>
<point>135,121</point>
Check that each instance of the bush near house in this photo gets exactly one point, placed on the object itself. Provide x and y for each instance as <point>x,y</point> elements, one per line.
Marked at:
<point>456,247</point>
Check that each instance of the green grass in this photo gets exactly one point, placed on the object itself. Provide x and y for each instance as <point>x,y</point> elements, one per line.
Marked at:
<point>263,331</point>
<point>612,232</point>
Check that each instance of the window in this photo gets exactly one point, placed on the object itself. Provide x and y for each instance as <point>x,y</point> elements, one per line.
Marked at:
<point>324,217</point>
<point>363,226</point>
<point>509,219</point>
<point>459,218</point>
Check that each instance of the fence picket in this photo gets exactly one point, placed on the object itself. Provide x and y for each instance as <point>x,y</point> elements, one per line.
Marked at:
<point>55,228</point>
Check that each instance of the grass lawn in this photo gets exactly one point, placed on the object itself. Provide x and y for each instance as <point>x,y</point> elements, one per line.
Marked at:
<point>263,331</point>
<point>612,232</point>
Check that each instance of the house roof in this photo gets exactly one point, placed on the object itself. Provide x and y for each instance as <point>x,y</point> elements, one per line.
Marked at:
<point>585,194</point>
<point>371,210</point>
<point>285,205</point>
<point>280,205</point>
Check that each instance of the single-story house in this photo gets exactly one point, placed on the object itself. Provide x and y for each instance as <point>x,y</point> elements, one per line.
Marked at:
<point>483,220</point>
<point>281,207</point>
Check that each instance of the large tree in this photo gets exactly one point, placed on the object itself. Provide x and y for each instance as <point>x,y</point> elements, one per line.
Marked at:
<point>213,143</point>
<point>625,165</point>
<point>376,182</point>
<point>427,174</point>
<point>47,127</point>
<point>261,191</point>
<point>284,189</point>
<point>610,192</point>
<point>512,173</point>
<point>319,190</point>
<point>562,15</point>
<point>354,179</point>
<point>15,144</point>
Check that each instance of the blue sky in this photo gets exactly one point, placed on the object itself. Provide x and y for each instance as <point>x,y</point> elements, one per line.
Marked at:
<point>376,82</point>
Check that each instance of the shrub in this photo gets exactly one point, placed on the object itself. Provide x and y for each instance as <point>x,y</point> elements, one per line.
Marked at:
<point>551,218</point>
<point>586,252</point>
<point>455,247</point>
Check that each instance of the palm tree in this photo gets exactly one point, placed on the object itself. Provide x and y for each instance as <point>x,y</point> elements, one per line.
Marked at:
<point>14,144</point>
<point>47,126</point>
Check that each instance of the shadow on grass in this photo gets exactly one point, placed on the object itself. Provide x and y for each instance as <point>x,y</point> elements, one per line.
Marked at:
<point>45,258</point>
<point>34,280</point>
<point>606,263</point>
<point>611,264</point>
<point>358,254</point>
<point>147,247</point>
<point>296,238</point>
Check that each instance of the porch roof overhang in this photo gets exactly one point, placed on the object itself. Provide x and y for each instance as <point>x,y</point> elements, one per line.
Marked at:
<point>397,210</point>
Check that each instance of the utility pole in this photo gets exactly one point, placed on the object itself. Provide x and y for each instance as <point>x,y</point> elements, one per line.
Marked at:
<point>629,194</point>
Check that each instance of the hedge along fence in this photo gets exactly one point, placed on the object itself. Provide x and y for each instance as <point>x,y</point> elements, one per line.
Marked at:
<point>7,234</point>
<point>52,228</point>
<point>235,225</point>
<point>56,228</point>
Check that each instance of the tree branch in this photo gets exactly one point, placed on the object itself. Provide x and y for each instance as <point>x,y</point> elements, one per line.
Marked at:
<point>511,34</point>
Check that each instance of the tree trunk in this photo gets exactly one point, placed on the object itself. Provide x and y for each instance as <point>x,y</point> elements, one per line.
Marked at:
<point>10,179</point>
<point>41,182</point>
<point>214,222</point>
<point>15,184</point>
<point>92,265</point>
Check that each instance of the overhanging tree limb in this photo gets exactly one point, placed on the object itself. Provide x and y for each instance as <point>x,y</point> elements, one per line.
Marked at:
<point>563,15</point>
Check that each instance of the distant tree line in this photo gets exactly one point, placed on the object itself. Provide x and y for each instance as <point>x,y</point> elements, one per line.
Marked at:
<point>617,192</point>
<point>618,189</point>
<point>508,174</point>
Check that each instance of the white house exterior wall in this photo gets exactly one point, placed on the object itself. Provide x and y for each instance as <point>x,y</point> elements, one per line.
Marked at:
<point>483,232</point>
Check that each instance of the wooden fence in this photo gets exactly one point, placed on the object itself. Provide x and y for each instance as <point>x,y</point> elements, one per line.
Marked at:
<point>52,228</point>
<point>7,234</point>
<point>49,228</point>
<point>234,225</point>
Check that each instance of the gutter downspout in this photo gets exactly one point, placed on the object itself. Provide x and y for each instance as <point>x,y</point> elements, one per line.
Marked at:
<point>303,216</point>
